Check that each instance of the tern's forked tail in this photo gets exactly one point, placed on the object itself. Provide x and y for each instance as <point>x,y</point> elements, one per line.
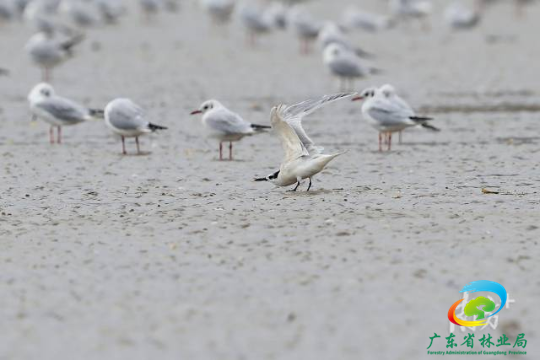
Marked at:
<point>325,159</point>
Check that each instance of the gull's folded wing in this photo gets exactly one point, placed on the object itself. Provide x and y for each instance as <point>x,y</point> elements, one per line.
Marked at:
<point>349,66</point>
<point>228,122</point>
<point>63,109</point>
<point>127,115</point>
<point>388,114</point>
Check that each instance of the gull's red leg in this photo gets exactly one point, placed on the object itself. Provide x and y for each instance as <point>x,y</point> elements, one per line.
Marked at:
<point>123,146</point>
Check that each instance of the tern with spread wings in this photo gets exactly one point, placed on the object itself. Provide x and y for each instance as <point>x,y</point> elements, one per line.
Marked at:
<point>303,159</point>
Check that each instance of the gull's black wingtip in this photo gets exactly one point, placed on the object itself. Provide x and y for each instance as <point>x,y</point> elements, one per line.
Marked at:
<point>430,127</point>
<point>260,127</point>
<point>97,113</point>
<point>420,118</point>
<point>155,127</point>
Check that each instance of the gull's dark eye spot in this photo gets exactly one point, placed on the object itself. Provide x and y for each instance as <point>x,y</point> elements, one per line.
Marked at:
<point>45,92</point>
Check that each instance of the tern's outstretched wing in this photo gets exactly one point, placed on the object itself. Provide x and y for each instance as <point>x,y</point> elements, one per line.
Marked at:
<point>292,146</point>
<point>294,114</point>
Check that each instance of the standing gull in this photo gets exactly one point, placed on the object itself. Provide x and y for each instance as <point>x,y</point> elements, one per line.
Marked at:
<point>303,159</point>
<point>111,10</point>
<point>306,28</point>
<point>80,13</point>
<point>460,17</point>
<point>125,118</point>
<point>332,34</point>
<point>388,113</point>
<point>276,13</point>
<point>58,111</point>
<point>412,9</point>
<point>256,22</point>
<point>42,15</point>
<point>225,125</point>
<point>345,65</point>
<point>354,18</point>
<point>47,50</point>
<point>220,11</point>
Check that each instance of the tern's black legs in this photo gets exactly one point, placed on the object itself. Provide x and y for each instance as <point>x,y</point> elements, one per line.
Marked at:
<point>123,145</point>
<point>230,150</point>
<point>137,142</point>
<point>298,184</point>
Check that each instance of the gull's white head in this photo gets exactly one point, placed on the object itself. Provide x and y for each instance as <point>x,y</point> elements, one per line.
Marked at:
<point>333,51</point>
<point>366,94</point>
<point>207,106</point>
<point>40,92</point>
<point>388,90</point>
